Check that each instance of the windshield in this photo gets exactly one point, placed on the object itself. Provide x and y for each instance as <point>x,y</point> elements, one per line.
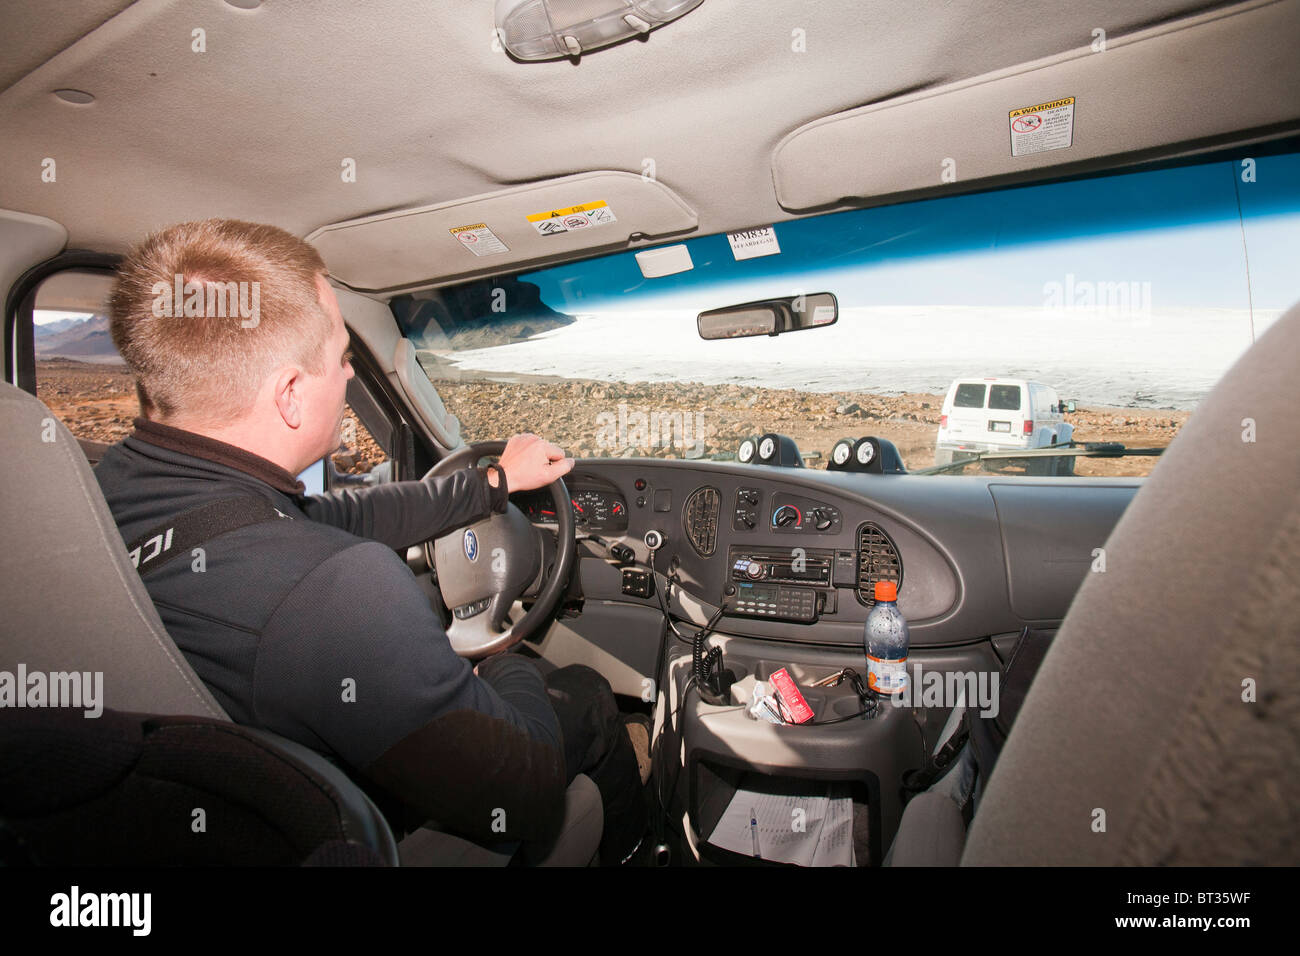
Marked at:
<point>1127,296</point>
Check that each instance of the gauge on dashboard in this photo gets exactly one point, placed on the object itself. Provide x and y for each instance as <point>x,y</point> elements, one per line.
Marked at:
<point>842,452</point>
<point>590,508</point>
<point>597,510</point>
<point>537,506</point>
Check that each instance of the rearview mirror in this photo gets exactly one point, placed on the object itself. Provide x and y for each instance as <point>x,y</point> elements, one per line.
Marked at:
<point>769,316</point>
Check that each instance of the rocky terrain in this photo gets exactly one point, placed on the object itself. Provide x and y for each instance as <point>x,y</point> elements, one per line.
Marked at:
<point>604,419</point>
<point>95,401</point>
<point>585,418</point>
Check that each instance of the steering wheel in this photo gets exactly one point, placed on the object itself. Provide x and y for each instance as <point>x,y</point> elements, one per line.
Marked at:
<point>484,567</point>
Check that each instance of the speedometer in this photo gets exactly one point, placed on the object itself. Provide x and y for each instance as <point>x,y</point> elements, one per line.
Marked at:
<point>591,508</point>
<point>599,510</point>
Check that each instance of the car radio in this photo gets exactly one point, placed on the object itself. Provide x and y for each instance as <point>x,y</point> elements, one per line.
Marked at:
<point>811,566</point>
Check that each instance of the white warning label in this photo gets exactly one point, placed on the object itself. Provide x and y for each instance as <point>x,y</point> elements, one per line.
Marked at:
<point>479,239</point>
<point>752,243</point>
<point>1036,129</point>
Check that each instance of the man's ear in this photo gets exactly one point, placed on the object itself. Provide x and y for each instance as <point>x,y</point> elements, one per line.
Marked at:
<point>289,396</point>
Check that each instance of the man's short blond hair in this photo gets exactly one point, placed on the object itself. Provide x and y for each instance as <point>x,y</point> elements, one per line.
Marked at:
<point>204,355</point>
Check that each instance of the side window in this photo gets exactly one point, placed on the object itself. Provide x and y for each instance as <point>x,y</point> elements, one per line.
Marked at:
<point>85,382</point>
<point>367,439</point>
<point>79,374</point>
<point>364,453</point>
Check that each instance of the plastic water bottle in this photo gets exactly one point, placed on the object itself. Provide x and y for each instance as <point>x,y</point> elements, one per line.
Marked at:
<point>886,642</point>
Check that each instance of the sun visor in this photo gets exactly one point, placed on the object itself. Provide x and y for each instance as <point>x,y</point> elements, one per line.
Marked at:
<point>1141,91</point>
<point>523,225</point>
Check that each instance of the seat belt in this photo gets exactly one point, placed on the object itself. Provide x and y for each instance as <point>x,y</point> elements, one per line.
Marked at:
<point>989,734</point>
<point>189,529</point>
<point>955,734</point>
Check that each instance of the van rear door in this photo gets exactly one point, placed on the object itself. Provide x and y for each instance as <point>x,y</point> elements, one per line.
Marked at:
<point>1005,416</point>
<point>966,420</point>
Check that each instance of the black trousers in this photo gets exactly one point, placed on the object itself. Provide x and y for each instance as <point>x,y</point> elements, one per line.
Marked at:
<point>596,743</point>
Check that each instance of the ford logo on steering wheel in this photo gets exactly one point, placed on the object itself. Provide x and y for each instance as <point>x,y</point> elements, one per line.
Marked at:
<point>471,545</point>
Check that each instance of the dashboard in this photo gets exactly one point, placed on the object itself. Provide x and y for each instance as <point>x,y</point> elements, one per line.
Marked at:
<point>794,553</point>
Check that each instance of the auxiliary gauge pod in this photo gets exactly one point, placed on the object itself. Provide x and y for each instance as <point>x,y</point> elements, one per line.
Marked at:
<point>711,678</point>
<point>770,449</point>
<point>873,455</point>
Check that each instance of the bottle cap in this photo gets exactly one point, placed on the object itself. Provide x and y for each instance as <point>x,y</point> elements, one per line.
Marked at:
<point>886,591</point>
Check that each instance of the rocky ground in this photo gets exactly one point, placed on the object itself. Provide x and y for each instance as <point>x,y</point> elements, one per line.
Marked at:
<point>95,401</point>
<point>585,418</point>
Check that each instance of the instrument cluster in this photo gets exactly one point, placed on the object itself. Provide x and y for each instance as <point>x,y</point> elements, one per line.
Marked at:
<point>594,509</point>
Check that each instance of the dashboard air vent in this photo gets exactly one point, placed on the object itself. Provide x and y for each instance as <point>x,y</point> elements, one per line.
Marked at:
<point>700,519</point>
<point>877,561</point>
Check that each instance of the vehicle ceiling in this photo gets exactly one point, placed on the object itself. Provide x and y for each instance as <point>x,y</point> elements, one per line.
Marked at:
<point>257,126</point>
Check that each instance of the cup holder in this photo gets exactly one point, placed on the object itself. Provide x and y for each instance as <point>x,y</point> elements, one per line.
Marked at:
<point>826,702</point>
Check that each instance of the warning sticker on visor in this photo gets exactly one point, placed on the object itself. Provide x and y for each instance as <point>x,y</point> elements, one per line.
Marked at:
<point>1037,129</point>
<point>479,239</point>
<point>572,218</point>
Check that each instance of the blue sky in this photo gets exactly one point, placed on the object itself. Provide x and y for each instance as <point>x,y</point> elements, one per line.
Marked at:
<point>1178,229</point>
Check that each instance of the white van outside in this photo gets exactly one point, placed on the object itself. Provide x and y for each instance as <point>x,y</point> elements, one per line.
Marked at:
<point>999,414</point>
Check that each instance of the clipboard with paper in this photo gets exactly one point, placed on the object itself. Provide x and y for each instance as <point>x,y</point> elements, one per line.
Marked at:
<point>785,828</point>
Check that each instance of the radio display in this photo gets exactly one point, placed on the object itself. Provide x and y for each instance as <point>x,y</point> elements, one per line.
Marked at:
<point>813,570</point>
<point>757,593</point>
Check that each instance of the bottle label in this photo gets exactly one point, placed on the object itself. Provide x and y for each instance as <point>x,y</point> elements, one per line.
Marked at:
<point>887,676</point>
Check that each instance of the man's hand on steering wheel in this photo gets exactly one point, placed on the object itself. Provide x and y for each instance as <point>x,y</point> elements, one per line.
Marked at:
<point>530,461</point>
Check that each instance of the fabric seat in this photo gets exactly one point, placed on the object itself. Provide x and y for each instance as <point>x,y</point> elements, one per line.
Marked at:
<point>931,833</point>
<point>1162,727</point>
<point>75,603</point>
<point>141,790</point>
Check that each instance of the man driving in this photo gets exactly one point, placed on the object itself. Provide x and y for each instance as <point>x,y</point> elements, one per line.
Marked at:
<point>302,618</point>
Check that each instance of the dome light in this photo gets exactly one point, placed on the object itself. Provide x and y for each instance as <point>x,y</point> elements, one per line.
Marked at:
<point>551,29</point>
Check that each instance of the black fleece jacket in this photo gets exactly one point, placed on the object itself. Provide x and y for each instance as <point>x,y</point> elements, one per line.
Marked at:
<point>316,629</point>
